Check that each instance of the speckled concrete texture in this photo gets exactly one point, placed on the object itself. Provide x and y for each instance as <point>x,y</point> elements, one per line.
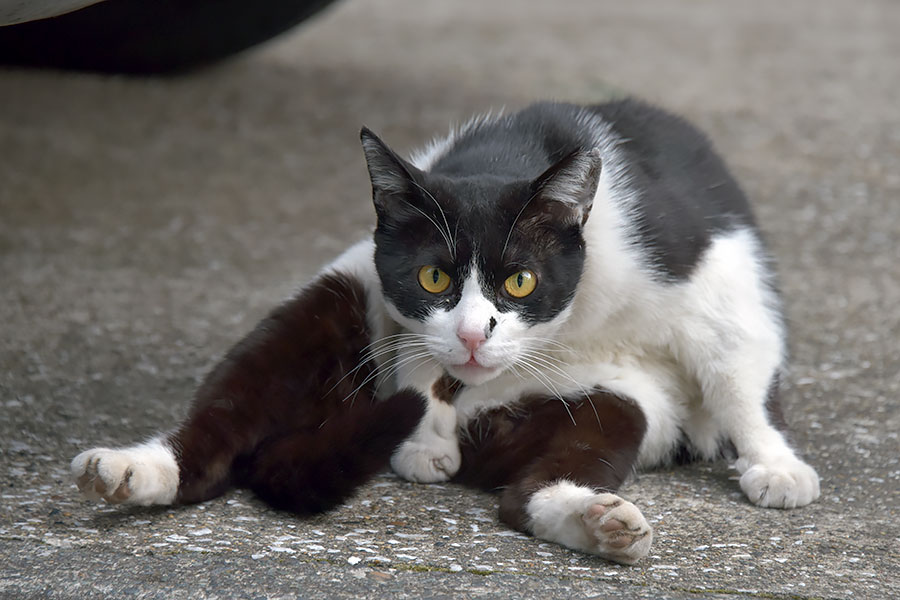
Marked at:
<point>145,225</point>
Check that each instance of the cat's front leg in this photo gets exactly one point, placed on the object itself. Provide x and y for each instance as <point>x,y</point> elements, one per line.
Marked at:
<point>736,352</point>
<point>432,453</point>
<point>772,475</point>
<point>296,372</point>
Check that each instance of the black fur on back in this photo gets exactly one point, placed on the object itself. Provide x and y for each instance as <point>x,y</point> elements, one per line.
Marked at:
<point>684,193</point>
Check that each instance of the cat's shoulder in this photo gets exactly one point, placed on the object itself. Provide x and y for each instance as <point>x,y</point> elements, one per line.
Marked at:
<point>680,194</point>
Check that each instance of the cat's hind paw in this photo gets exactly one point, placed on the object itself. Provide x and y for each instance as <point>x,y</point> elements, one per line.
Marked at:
<point>785,483</point>
<point>437,460</point>
<point>578,517</point>
<point>619,530</point>
<point>143,475</point>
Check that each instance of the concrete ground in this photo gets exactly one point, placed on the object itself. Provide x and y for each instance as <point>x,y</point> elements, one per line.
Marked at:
<point>145,225</point>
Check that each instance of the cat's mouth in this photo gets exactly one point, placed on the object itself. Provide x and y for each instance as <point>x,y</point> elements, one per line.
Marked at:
<point>473,372</point>
<point>473,363</point>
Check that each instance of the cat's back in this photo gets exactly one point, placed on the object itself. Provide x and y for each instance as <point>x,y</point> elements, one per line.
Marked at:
<point>680,194</point>
<point>662,173</point>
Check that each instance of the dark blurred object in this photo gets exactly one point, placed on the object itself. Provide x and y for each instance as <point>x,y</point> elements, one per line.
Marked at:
<point>150,36</point>
<point>20,11</point>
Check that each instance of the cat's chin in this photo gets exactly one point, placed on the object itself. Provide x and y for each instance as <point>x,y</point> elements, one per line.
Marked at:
<point>473,374</point>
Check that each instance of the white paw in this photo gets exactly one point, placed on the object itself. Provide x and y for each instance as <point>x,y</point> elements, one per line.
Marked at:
<point>427,461</point>
<point>779,483</point>
<point>577,517</point>
<point>144,475</point>
<point>617,528</point>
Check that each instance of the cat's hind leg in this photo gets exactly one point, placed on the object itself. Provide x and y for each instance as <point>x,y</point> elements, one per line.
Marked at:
<point>609,526</point>
<point>302,364</point>
<point>772,475</point>
<point>144,474</point>
<point>311,470</point>
<point>559,466</point>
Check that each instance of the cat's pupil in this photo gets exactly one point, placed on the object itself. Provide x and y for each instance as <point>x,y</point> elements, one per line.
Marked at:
<point>520,280</point>
<point>435,275</point>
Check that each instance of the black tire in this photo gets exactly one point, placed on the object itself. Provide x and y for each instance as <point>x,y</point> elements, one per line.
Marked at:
<point>150,36</point>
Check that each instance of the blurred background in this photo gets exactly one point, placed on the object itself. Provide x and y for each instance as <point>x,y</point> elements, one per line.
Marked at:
<point>148,220</point>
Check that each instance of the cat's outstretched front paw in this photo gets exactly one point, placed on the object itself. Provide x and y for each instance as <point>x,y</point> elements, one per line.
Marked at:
<point>619,530</point>
<point>427,460</point>
<point>783,483</point>
<point>144,475</point>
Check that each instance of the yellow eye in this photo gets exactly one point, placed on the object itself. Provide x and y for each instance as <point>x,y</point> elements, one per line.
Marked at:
<point>519,285</point>
<point>433,279</point>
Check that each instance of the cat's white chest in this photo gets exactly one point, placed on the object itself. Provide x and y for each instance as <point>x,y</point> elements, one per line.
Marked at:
<point>611,369</point>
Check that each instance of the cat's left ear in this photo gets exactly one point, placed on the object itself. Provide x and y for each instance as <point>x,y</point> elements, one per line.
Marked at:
<point>571,183</point>
<point>393,179</point>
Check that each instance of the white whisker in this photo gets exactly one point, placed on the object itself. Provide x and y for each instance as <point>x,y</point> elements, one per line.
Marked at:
<point>547,363</point>
<point>516,220</point>
<point>397,338</point>
<point>393,348</point>
<point>547,383</point>
<point>366,357</point>
<point>387,371</point>
<point>451,243</point>
<point>396,347</point>
<point>557,345</point>
<point>423,359</point>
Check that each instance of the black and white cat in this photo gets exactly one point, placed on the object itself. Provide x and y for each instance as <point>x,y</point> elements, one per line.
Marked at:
<point>550,299</point>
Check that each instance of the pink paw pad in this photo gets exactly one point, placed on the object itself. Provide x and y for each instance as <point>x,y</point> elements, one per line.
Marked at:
<point>620,531</point>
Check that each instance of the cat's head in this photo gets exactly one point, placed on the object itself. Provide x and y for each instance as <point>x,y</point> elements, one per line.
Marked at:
<point>483,267</point>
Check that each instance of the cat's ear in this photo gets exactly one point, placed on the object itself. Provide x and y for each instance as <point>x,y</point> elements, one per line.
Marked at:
<point>393,179</point>
<point>569,186</point>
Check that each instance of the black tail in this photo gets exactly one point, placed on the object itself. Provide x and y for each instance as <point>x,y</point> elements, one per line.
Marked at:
<point>313,470</point>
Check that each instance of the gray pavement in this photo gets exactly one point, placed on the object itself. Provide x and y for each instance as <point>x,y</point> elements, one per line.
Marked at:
<point>145,225</point>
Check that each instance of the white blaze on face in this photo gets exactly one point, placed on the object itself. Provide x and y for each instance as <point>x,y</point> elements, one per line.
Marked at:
<point>475,342</point>
<point>472,315</point>
<point>467,345</point>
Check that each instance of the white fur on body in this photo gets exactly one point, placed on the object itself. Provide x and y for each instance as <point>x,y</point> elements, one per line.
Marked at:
<point>697,356</point>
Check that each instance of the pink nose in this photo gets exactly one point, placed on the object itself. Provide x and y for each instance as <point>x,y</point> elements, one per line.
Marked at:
<point>471,339</point>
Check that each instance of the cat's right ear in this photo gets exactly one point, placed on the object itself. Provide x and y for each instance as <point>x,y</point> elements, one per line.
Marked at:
<point>393,179</point>
<point>569,186</point>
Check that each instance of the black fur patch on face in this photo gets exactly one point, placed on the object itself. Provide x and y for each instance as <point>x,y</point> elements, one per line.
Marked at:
<point>497,224</point>
<point>500,228</point>
<point>685,193</point>
<point>409,241</point>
